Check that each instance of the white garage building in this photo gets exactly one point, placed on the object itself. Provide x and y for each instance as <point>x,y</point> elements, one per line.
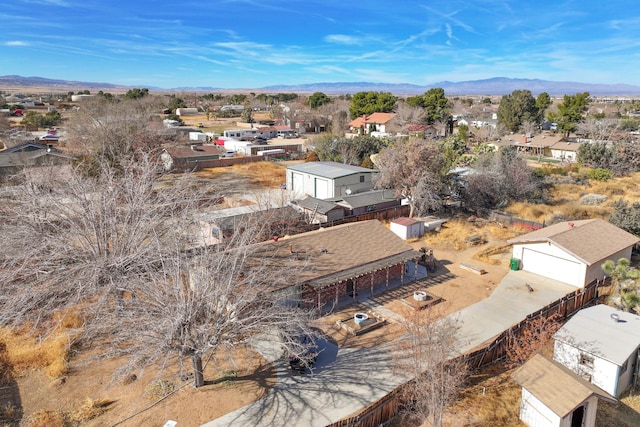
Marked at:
<point>572,252</point>
<point>324,180</point>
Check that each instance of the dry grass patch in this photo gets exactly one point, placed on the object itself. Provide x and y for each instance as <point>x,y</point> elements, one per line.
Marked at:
<point>531,212</point>
<point>85,411</point>
<point>625,414</point>
<point>492,400</point>
<point>263,174</point>
<point>485,255</point>
<point>453,235</point>
<point>25,352</point>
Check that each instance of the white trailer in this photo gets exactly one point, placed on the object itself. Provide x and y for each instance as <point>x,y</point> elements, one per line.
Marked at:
<point>240,133</point>
<point>197,136</point>
<point>240,147</point>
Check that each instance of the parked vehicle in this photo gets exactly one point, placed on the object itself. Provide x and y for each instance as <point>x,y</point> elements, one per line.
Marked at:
<point>308,357</point>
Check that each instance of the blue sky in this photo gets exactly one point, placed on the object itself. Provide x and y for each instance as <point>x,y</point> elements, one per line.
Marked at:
<point>256,43</point>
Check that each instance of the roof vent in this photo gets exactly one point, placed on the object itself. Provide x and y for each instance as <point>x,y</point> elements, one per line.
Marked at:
<point>615,317</point>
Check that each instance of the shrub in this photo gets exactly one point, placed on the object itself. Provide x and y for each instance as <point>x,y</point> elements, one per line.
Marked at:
<point>48,418</point>
<point>600,174</point>
<point>158,389</point>
<point>90,409</point>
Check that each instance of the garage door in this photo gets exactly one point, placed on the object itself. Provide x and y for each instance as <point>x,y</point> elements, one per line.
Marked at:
<point>553,267</point>
<point>297,183</point>
<point>322,188</point>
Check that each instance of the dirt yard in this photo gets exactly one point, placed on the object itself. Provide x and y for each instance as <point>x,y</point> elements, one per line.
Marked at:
<point>89,379</point>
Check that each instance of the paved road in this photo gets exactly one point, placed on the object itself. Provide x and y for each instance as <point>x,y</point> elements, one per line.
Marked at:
<point>346,380</point>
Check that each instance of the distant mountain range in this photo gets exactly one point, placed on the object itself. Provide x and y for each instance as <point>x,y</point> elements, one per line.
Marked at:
<point>493,86</point>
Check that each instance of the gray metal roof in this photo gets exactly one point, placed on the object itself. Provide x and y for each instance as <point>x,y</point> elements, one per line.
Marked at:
<point>367,198</point>
<point>594,331</point>
<point>322,206</point>
<point>330,170</point>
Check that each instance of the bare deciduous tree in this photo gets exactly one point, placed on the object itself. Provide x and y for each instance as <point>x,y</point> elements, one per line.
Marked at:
<point>412,168</point>
<point>119,248</point>
<point>218,300</point>
<point>108,129</point>
<point>429,357</point>
<point>598,129</point>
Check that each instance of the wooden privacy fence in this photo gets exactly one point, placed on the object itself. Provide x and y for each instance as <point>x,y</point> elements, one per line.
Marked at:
<point>381,215</point>
<point>505,218</point>
<point>387,407</point>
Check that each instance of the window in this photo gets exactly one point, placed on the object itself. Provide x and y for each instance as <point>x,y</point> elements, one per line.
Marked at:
<point>361,178</point>
<point>586,360</point>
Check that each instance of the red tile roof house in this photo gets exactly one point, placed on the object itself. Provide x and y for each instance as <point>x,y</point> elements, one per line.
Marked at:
<point>333,268</point>
<point>374,123</point>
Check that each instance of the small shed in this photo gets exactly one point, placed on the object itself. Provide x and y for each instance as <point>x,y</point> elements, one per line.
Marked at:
<point>553,396</point>
<point>602,345</point>
<point>407,228</point>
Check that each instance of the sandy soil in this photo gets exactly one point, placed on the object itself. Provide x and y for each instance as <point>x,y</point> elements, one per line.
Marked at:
<point>135,404</point>
<point>191,407</point>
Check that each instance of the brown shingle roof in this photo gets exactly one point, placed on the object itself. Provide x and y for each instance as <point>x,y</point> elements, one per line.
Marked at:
<point>590,240</point>
<point>329,255</point>
<point>183,152</point>
<point>560,389</point>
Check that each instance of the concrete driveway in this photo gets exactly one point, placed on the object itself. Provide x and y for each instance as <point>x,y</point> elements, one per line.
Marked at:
<point>346,380</point>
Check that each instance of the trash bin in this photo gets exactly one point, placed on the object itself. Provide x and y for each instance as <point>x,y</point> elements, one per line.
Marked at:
<point>514,264</point>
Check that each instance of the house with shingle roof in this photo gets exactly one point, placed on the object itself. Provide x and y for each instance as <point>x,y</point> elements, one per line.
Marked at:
<point>318,211</point>
<point>330,263</point>
<point>554,396</point>
<point>602,345</point>
<point>367,201</point>
<point>574,251</point>
<point>190,157</point>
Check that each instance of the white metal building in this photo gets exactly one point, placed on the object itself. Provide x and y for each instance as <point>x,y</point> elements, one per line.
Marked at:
<point>324,180</point>
<point>572,252</point>
<point>602,345</point>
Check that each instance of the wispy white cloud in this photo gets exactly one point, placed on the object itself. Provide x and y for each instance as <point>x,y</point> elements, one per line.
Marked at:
<point>342,39</point>
<point>16,43</point>
<point>61,3</point>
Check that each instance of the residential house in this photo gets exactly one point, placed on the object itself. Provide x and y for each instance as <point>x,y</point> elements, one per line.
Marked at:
<point>565,150</point>
<point>572,252</point>
<point>318,211</point>
<point>376,124</point>
<point>554,396</point>
<point>12,163</point>
<point>367,201</point>
<point>602,345</point>
<point>324,180</point>
<point>331,265</point>
<point>190,157</point>
<point>218,225</point>
<point>421,131</point>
